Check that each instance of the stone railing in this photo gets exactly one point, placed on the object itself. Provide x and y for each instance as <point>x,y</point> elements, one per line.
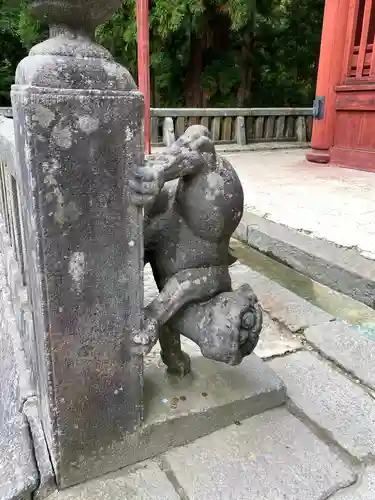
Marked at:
<point>7,112</point>
<point>12,243</point>
<point>26,463</point>
<point>237,125</point>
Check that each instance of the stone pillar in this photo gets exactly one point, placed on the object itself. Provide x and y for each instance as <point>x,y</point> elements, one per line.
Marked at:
<point>79,133</point>
<point>332,48</point>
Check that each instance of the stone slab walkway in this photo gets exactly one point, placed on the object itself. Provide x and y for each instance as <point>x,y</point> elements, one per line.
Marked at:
<point>319,446</point>
<point>317,219</point>
<point>327,202</point>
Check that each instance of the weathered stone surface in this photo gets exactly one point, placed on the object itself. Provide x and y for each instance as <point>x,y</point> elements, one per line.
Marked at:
<point>240,131</point>
<point>345,344</point>
<point>193,202</point>
<point>281,304</point>
<point>275,340</point>
<point>270,456</point>
<point>91,242</point>
<point>270,127</point>
<point>343,409</point>
<point>13,274</point>
<point>290,125</point>
<point>80,15</point>
<point>46,480</point>
<point>168,131</point>
<point>79,134</point>
<point>241,231</point>
<point>154,357</point>
<point>363,490</point>
<point>21,423</point>
<point>7,112</point>
<point>18,471</point>
<point>180,126</point>
<point>154,130</point>
<point>280,127</point>
<point>146,482</point>
<point>301,132</point>
<point>259,127</point>
<point>215,128</point>
<point>342,269</point>
<point>226,132</point>
<point>228,392</point>
<point>178,411</point>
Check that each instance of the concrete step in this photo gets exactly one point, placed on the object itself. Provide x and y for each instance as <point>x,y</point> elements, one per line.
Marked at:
<point>341,269</point>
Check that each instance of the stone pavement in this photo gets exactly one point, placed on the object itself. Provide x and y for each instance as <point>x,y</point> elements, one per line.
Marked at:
<point>320,445</point>
<point>316,219</point>
<point>326,202</point>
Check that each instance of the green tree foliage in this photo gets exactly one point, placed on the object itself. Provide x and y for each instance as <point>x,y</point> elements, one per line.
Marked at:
<point>203,52</point>
<point>11,49</point>
<point>287,53</point>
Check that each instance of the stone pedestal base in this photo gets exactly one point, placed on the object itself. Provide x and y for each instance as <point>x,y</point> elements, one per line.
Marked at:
<point>179,411</point>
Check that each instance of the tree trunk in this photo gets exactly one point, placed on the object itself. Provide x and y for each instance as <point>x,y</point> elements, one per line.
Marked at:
<point>244,91</point>
<point>193,91</point>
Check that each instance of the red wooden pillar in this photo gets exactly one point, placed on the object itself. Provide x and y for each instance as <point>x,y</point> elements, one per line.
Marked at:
<point>332,54</point>
<point>143,33</point>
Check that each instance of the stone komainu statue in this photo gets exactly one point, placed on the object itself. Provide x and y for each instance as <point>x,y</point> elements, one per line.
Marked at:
<point>193,203</point>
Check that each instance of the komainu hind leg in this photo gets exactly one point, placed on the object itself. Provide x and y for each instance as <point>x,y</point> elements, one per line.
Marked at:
<point>176,360</point>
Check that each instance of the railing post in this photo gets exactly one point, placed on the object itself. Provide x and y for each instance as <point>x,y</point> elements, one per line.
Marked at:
<point>78,124</point>
<point>259,127</point>
<point>240,131</point>
<point>216,128</point>
<point>301,132</point>
<point>280,127</point>
<point>154,130</point>
<point>168,132</point>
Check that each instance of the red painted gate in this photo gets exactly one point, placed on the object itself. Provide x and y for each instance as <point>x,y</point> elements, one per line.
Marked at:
<point>344,133</point>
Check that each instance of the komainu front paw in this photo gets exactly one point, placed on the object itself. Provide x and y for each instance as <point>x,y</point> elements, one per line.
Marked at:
<point>146,183</point>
